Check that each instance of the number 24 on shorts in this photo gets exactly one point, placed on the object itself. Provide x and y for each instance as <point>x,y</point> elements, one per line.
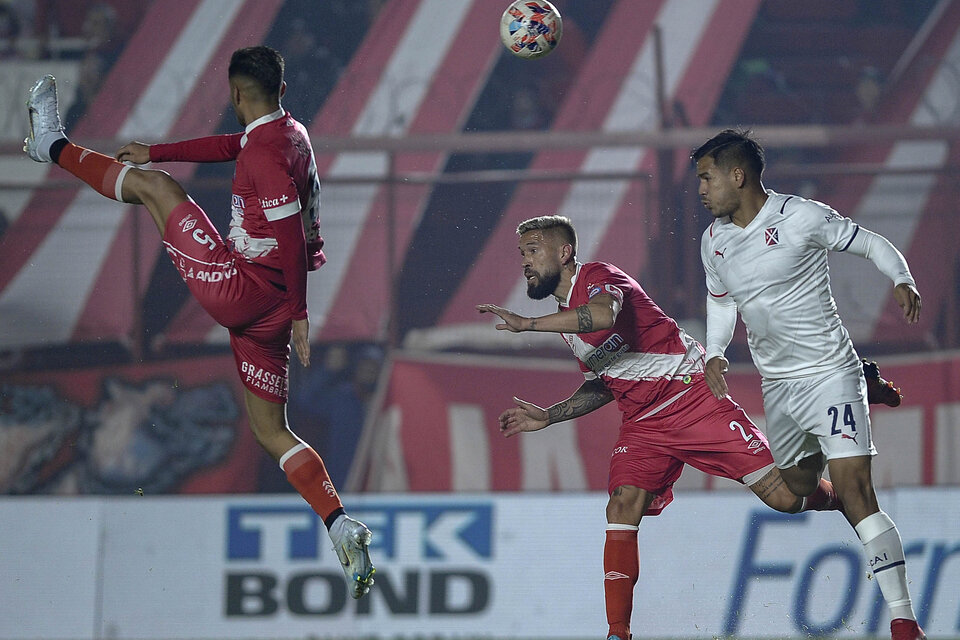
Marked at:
<point>848,419</point>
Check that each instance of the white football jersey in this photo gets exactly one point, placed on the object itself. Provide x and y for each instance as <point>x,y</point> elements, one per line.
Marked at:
<point>776,271</point>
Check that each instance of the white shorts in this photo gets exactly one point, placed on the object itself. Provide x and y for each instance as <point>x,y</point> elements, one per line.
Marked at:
<point>825,413</point>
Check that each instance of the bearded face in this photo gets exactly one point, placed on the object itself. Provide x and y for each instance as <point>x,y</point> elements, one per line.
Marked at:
<point>541,284</point>
<point>542,260</point>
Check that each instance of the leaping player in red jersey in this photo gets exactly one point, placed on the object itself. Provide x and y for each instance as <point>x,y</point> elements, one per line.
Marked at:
<point>255,284</point>
<point>630,351</point>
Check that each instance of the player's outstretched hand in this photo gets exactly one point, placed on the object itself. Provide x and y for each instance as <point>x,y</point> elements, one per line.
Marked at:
<point>909,300</point>
<point>713,374</point>
<point>135,152</point>
<point>301,340</point>
<point>523,417</point>
<point>511,321</point>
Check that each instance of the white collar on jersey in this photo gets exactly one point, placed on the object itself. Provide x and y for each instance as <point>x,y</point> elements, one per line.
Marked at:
<point>573,281</point>
<point>270,117</point>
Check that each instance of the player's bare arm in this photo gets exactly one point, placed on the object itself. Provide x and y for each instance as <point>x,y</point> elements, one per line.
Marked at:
<point>713,373</point>
<point>599,314</point>
<point>590,396</point>
<point>908,299</point>
<point>135,152</point>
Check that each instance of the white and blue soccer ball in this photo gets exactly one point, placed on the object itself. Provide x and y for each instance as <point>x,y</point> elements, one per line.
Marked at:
<point>531,28</point>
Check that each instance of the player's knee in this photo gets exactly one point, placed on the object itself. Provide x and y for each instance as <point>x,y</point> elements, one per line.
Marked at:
<point>627,504</point>
<point>803,486</point>
<point>801,481</point>
<point>856,493</point>
<point>785,501</point>
<point>151,185</point>
<point>153,182</point>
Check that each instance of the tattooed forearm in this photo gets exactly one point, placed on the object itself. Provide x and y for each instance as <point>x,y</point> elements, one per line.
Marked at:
<point>584,319</point>
<point>591,395</point>
<point>533,324</point>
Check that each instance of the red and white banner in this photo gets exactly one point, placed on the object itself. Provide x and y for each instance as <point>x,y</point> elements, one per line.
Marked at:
<point>436,429</point>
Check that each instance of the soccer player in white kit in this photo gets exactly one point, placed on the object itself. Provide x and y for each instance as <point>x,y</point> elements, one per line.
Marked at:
<point>765,255</point>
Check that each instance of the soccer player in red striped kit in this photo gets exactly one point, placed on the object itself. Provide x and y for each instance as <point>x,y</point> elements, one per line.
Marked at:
<point>254,284</point>
<point>630,351</point>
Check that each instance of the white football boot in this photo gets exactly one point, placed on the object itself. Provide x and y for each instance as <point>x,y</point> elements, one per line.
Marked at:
<point>45,126</point>
<point>351,540</point>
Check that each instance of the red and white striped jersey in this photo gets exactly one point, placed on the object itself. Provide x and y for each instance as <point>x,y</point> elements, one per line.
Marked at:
<point>275,179</point>
<point>645,359</point>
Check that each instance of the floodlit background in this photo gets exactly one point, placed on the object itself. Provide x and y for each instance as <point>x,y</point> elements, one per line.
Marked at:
<point>433,142</point>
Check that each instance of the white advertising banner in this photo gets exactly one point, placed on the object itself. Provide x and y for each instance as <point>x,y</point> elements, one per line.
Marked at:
<point>491,565</point>
<point>48,567</point>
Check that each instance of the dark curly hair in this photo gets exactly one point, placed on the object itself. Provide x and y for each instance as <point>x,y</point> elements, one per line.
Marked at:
<point>261,64</point>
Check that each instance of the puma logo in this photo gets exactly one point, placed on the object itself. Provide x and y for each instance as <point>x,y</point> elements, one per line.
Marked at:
<point>845,436</point>
<point>718,253</point>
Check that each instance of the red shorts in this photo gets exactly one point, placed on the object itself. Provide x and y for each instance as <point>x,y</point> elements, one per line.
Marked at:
<point>237,295</point>
<point>715,436</point>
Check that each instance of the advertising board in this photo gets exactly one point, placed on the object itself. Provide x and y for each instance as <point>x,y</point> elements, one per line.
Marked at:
<point>521,565</point>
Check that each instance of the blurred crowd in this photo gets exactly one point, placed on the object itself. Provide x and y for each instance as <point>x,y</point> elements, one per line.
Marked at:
<point>91,32</point>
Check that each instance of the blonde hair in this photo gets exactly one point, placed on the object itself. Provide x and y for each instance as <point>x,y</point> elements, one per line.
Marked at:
<point>562,224</point>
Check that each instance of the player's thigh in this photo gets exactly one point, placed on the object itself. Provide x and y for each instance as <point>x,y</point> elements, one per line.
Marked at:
<point>628,504</point>
<point>804,477</point>
<point>637,462</point>
<point>221,285</point>
<point>833,408</point>
<point>789,441</point>
<point>715,436</point>
<point>262,355</point>
<point>196,248</point>
<point>156,190</point>
<point>769,485</point>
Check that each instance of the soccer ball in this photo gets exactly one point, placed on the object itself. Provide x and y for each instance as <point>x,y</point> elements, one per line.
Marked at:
<point>531,28</point>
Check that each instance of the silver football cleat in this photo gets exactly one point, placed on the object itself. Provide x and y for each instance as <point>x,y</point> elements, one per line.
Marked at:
<point>351,541</point>
<point>45,125</point>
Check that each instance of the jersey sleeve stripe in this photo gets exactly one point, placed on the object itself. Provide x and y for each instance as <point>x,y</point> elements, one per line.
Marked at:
<point>718,295</point>
<point>283,211</point>
<point>856,230</point>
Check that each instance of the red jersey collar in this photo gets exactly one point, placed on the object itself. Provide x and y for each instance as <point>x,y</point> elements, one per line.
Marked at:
<point>270,117</point>
<point>573,281</point>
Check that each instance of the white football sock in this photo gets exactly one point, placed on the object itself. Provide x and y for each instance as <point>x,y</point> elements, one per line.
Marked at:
<point>884,549</point>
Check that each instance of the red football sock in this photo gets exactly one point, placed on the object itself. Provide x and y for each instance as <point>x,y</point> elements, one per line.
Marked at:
<point>308,475</point>
<point>101,172</point>
<point>621,570</point>
<point>823,499</point>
